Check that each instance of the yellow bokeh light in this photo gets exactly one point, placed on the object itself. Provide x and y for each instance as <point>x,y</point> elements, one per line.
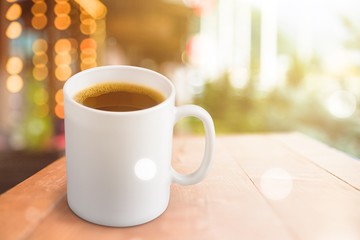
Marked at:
<point>62,45</point>
<point>59,97</point>
<point>40,72</point>
<point>84,66</point>
<point>88,27</point>
<point>40,59</point>
<point>59,111</point>
<point>14,12</point>
<point>42,111</point>
<point>39,7</point>
<point>41,96</point>
<point>14,83</point>
<point>88,61</point>
<point>84,16</point>
<point>63,72</point>
<point>62,59</point>
<point>62,21</point>
<point>14,65</point>
<point>39,46</point>
<point>94,8</point>
<point>14,30</point>
<point>39,21</point>
<point>88,21</point>
<point>62,8</point>
<point>88,53</point>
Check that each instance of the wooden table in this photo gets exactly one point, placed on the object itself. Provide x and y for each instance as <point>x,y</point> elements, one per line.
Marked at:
<point>266,186</point>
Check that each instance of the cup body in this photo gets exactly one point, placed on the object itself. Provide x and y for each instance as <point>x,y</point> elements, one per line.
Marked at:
<point>118,163</point>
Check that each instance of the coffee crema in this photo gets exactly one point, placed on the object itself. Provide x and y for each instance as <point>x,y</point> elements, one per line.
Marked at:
<point>119,97</point>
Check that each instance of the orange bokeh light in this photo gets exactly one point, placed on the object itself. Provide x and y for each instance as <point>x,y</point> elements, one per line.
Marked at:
<point>39,7</point>
<point>40,72</point>
<point>39,46</point>
<point>62,59</point>
<point>62,45</point>
<point>39,59</point>
<point>62,21</point>
<point>84,66</point>
<point>59,97</point>
<point>59,111</point>
<point>88,43</point>
<point>88,28</point>
<point>63,72</point>
<point>62,8</point>
<point>39,21</point>
<point>14,12</point>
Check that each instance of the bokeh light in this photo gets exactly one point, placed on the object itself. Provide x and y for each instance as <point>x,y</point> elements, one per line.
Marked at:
<point>63,72</point>
<point>63,58</point>
<point>36,126</point>
<point>42,110</point>
<point>62,45</point>
<point>94,8</point>
<point>88,53</point>
<point>59,111</point>
<point>276,184</point>
<point>39,59</point>
<point>62,21</point>
<point>145,169</point>
<point>14,12</point>
<point>14,65</point>
<point>14,30</point>
<point>59,96</point>
<point>14,83</point>
<point>87,43</point>
<point>39,45</point>
<point>88,26</point>
<point>62,8</point>
<point>41,96</point>
<point>39,7</point>
<point>40,72</point>
<point>39,21</point>
<point>341,104</point>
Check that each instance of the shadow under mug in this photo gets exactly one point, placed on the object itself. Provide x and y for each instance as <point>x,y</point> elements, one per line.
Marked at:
<point>119,163</point>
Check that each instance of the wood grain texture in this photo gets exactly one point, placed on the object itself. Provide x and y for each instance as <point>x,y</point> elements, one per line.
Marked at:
<point>307,197</point>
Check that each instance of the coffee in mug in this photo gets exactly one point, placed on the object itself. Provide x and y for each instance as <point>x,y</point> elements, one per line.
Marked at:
<point>119,97</point>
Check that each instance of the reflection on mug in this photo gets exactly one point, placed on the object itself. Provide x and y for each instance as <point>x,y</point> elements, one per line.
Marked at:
<point>145,169</point>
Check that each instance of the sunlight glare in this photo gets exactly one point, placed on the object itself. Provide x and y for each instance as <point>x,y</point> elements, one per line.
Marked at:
<point>341,104</point>
<point>276,184</point>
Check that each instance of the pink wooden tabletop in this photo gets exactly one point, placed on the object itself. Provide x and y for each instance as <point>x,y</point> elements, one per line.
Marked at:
<point>263,186</point>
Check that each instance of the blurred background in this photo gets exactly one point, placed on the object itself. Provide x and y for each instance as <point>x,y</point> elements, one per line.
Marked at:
<point>255,65</point>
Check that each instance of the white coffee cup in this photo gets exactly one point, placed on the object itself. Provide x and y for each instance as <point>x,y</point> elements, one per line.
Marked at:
<point>119,163</point>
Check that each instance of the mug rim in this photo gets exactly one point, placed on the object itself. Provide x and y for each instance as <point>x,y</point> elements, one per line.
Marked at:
<point>97,111</point>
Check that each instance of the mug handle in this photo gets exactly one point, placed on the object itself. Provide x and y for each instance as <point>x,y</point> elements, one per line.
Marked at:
<point>204,116</point>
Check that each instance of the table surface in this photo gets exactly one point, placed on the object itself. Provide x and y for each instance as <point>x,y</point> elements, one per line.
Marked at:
<point>262,186</point>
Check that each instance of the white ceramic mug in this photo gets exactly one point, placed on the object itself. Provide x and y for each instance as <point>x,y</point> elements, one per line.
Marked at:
<point>119,163</point>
